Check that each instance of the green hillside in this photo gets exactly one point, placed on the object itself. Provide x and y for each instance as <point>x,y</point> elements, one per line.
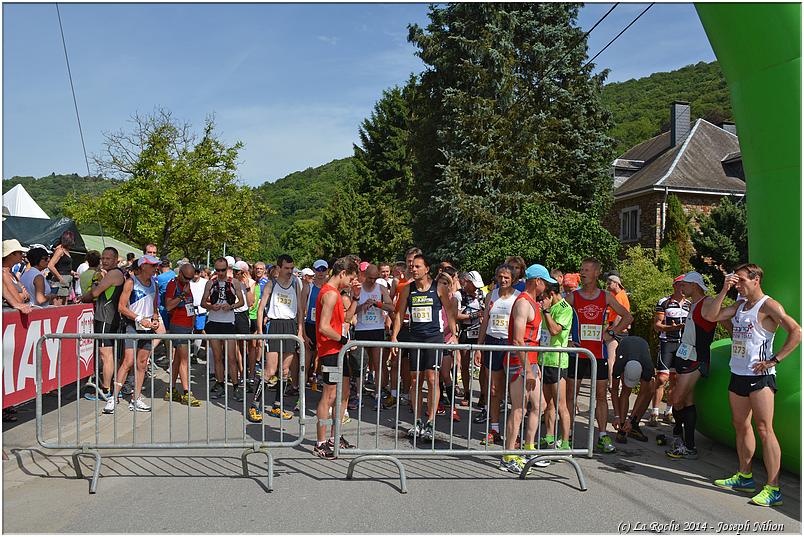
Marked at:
<point>641,108</point>
<point>298,200</point>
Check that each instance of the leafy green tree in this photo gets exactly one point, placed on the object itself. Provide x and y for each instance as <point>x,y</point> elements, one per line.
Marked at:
<point>721,240</point>
<point>507,113</point>
<point>302,241</point>
<point>646,285</point>
<point>556,237</point>
<point>180,192</point>
<point>676,243</point>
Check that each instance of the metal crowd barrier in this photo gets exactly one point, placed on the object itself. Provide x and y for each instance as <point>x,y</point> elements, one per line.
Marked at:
<point>117,431</point>
<point>449,445</point>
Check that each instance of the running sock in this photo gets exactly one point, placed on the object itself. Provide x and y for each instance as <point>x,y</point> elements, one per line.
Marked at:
<point>749,475</point>
<point>690,417</point>
<point>494,427</point>
<point>393,393</point>
<point>530,446</point>
<point>446,390</point>
<point>654,411</point>
<point>678,427</point>
<point>602,434</point>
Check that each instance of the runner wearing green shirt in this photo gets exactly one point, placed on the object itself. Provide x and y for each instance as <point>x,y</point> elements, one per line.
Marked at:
<point>556,325</point>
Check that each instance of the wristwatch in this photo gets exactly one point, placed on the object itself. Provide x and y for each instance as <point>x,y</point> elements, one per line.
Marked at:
<point>612,333</point>
<point>774,359</point>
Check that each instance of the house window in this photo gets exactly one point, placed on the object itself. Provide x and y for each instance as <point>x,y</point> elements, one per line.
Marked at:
<point>629,224</point>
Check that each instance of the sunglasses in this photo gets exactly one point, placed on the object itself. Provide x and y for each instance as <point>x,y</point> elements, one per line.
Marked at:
<point>220,269</point>
<point>321,269</point>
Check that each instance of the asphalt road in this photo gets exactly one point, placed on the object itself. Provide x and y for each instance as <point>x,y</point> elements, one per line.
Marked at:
<point>203,491</point>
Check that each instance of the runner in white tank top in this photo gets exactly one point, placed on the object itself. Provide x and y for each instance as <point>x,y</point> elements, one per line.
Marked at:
<point>753,379</point>
<point>499,314</point>
<point>750,341</point>
<point>371,317</point>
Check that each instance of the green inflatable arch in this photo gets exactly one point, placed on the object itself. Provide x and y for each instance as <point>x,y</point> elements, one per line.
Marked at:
<point>759,50</point>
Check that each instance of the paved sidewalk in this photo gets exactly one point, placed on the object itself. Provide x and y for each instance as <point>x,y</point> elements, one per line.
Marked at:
<point>202,490</point>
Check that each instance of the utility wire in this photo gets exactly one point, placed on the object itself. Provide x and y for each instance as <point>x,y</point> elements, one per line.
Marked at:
<point>579,40</point>
<point>618,35</point>
<point>75,103</point>
<point>553,64</point>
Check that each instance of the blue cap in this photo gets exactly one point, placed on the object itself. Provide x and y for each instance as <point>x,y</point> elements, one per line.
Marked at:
<point>538,271</point>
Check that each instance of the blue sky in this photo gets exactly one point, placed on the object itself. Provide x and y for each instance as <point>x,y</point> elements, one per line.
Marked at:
<point>291,81</point>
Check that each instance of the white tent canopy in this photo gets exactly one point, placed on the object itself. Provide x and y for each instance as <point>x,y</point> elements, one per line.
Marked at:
<point>17,202</point>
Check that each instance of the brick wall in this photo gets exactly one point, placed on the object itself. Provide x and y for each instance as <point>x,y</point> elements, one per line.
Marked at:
<point>650,218</point>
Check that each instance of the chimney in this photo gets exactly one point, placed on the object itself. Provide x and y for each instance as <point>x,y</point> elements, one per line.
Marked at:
<point>679,122</point>
<point>728,126</point>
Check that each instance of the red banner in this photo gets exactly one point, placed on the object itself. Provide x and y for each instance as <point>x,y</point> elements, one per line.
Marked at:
<point>20,334</point>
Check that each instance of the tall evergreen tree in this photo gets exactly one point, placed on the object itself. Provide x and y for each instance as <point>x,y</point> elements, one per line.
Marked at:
<point>384,165</point>
<point>507,113</point>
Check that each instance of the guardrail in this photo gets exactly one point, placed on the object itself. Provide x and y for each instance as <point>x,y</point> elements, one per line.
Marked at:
<point>250,436</point>
<point>448,445</point>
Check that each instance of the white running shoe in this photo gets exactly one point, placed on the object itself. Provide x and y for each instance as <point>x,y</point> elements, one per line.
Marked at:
<point>139,405</point>
<point>110,404</point>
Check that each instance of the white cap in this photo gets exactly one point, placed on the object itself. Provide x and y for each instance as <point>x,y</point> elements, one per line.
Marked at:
<point>694,277</point>
<point>307,271</point>
<point>241,265</point>
<point>632,373</point>
<point>475,278</point>
<point>383,282</point>
<point>230,261</point>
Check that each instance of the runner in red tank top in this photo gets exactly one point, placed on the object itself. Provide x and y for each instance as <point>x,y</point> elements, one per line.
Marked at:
<point>524,329</point>
<point>590,304</point>
<point>331,331</point>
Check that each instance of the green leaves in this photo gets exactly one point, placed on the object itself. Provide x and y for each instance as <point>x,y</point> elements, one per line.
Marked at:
<point>544,233</point>
<point>491,132</point>
<point>180,194</point>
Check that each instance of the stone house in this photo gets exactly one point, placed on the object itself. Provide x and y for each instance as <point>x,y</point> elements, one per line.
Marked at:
<point>698,163</point>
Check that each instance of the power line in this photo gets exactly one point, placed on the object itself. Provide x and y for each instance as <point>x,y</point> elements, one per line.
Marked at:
<point>618,35</point>
<point>72,88</point>
<point>553,64</point>
<point>579,40</point>
<point>75,104</point>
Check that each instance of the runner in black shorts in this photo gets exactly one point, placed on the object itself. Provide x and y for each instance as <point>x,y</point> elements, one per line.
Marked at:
<point>424,298</point>
<point>671,313</point>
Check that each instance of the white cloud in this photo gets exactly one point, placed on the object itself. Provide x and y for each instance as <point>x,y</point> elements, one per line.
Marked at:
<point>328,39</point>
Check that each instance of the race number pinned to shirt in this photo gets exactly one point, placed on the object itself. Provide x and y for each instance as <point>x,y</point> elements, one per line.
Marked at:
<point>190,309</point>
<point>284,299</point>
<point>312,314</point>
<point>421,314</point>
<point>499,321</point>
<point>345,330</point>
<point>544,338</point>
<point>738,345</point>
<point>591,332</point>
<point>370,316</point>
<point>685,351</point>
